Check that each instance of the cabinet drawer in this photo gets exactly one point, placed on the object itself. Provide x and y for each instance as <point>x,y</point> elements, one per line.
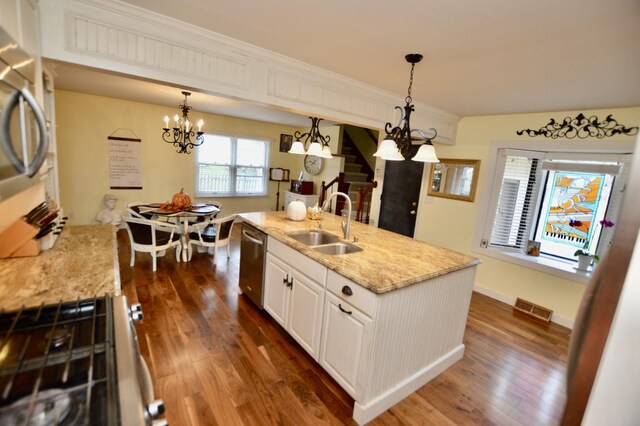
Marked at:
<point>293,257</point>
<point>360,297</point>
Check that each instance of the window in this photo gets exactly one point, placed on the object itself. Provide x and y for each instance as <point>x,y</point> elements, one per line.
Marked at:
<point>231,166</point>
<point>554,198</point>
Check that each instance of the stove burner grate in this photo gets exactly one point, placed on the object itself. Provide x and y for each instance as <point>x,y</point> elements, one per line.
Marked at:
<point>57,365</point>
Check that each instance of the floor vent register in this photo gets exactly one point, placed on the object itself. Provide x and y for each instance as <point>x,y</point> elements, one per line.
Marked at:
<point>532,310</point>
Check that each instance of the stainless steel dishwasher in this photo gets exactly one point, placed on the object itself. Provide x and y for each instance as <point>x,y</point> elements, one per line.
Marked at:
<point>253,252</point>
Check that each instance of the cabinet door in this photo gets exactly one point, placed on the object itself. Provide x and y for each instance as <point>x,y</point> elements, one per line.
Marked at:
<point>10,18</point>
<point>305,313</point>
<point>346,339</point>
<point>276,290</point>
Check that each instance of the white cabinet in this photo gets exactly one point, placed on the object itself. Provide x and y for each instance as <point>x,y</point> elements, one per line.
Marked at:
<point>294,299</point>
<point>378,347</point>
<point>19,18</point>
<point>308,200</point>
<point>276,289</point>
<point>346,340</point>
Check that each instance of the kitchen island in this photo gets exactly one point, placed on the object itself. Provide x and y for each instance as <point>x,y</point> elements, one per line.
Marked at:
<point>382,321</point>
<point>83,263</point>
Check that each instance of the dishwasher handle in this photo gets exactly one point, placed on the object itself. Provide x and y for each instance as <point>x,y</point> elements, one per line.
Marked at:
<point>252,238</point>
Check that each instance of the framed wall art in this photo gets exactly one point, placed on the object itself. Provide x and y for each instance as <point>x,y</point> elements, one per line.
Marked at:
<point>285,142</point>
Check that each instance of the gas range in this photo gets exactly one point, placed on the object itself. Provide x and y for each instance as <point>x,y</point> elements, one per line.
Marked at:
<point>75,363</point>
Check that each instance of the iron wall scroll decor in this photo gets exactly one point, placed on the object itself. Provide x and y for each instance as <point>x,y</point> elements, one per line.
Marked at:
<point>582,128</point>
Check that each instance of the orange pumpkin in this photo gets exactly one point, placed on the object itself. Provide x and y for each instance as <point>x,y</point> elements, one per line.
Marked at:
<point>181,201</point>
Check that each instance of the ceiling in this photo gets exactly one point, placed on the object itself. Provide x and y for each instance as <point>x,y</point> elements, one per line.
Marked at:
<point>481,58</point>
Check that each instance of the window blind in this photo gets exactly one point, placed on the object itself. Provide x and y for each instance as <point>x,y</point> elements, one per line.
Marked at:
<point>516,202</point>
<point>615,202</point>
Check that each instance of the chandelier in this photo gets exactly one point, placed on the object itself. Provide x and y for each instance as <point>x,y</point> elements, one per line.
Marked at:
<point>396,145</point>
<point>314,144</point>
<point>182,135</point>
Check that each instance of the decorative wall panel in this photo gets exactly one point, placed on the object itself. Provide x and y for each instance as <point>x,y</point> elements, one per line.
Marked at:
<point>118,37</point>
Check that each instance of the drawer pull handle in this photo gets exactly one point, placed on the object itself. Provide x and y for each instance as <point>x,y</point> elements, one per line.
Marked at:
<point>344,310</point>
<point>347,290</point>
<point>285,280</point>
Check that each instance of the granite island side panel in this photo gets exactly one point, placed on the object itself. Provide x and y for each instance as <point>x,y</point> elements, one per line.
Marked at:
<point>389,261</point>
<point>82,264</point>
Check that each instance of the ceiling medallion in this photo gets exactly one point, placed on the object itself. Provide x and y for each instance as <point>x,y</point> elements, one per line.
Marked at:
<point>582,128</point>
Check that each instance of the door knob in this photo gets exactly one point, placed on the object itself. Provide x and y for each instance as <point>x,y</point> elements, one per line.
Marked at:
<point>413,212</point>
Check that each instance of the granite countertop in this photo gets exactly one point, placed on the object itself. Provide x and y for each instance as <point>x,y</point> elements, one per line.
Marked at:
<point>388,261</point>
<point>82,263</point>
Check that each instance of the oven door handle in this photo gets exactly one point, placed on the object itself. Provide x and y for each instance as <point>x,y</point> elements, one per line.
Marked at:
<point>30,169</point>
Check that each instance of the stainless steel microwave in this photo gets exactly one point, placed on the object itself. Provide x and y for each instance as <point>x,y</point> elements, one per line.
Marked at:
<point>23,137</point>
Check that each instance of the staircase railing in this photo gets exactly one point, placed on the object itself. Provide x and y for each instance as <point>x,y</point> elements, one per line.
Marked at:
<point>342,186</point>
<point>363,202</point>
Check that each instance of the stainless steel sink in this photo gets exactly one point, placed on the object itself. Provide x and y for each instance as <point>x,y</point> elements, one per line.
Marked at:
<point>337,248</point>
<point>313,238</point>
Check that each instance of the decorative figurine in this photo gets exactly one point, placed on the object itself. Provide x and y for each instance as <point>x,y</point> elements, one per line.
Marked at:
<point>110,214</point>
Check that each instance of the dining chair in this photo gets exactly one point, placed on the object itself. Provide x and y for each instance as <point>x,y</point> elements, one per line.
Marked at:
<point>134,210</point>
<point>204,218</point>
<point>150,236</point>
<point>212,233</point>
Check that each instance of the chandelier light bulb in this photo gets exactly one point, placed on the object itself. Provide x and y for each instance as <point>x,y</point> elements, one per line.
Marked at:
<point>166,121</point>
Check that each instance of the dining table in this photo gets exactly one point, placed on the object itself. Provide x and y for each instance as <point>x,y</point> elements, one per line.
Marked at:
<point>181,217</point>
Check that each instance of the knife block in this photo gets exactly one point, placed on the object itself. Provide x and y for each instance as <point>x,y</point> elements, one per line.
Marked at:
<point>17,240</point>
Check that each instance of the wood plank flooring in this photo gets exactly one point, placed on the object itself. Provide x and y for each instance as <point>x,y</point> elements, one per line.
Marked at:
<point>218,360</point>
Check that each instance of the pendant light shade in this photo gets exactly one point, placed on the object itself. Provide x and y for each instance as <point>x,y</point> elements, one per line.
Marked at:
<point>326,152</point>
<point>297,148</point>
<point>314,149</point>
<point>426,154</point>
<point>388,150</point>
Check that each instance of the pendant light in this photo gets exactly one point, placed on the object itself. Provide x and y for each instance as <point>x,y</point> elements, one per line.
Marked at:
<point>397,144</point>
<point>314,144</point>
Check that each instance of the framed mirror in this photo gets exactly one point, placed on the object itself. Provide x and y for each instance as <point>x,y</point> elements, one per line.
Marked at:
<point>454,178</point>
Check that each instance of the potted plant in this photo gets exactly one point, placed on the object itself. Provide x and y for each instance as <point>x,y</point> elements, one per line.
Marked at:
<point>584,257</point>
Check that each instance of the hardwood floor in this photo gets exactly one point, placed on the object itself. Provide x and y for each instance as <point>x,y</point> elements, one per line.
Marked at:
<point>218,360</point>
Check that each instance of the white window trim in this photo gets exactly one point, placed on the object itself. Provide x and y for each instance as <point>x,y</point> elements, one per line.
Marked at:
<point>268,141</point>
<point>546,264</point>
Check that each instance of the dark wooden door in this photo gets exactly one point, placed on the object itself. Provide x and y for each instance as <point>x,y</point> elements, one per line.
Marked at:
<point>400,195</point>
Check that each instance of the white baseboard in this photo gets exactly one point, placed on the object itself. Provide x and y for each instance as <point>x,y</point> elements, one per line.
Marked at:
<point>510,300</point>
<point>365,413</point>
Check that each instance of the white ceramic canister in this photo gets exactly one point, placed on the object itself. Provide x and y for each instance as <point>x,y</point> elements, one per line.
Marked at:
<point>296,210</point>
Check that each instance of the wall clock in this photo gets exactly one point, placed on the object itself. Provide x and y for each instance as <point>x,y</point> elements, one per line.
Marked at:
<point>312,164</point>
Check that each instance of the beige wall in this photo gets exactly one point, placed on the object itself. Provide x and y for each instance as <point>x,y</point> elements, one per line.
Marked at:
<point>451,223</point>
<point>85,121</point>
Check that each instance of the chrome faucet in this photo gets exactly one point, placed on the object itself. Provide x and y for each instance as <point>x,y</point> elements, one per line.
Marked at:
<point>345,223</point>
